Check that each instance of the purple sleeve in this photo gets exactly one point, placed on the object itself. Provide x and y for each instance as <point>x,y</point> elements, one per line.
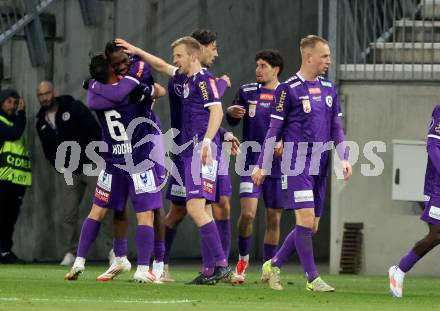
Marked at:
<point>98,102</point>
<point>273,135</point>
<point>337,132</point>
<point>434,155</point>
<point>115,93</point>
<point>222,133</point>
<point>222,85</point>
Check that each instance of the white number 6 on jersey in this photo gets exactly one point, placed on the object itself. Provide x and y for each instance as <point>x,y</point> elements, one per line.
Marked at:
<point>112,124</point>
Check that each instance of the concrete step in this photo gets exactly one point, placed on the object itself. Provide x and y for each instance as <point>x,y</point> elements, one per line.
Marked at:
<point>425,72</point>
<point>405,52</point>
<point>430,9</point>
<point>417,31</point>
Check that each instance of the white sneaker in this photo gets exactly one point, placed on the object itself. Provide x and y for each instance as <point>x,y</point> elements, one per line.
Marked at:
<point>142,275</point>
<point>120,265</point>
<point>396,283</point>
<point>77,268</point>
<point>111,257</point>
<point>68,260</point>
<point>166,275</point>
<point>158,268</point>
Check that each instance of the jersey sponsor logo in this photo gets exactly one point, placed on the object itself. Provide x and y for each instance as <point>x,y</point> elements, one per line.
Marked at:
<point>317,98</point>
<point>214,88</point>
<point>284,183</point>
<point>252,110</point>
<point>246,187</point>
<point>65,116</point>
<point>140,69</point>
<point>178,191</point>
<point>326,83</point>
<point>280,105</point>
<point>303,196</point>
<point>426,198</point>
<point>434,212</point>
<point>266,96</point>
<point>185,90</point>
<point>122,149</point>
<point>208,186</point>
<point>144,182</point>
<point>204,90</point>
<point>303,97</point>
<point>265,105</point>
<point>329,101</point>
<point>105,180</point>
<point>314,90</point>
<point>209,171</point>
<point>247,89</point>
<point>102,195</point>
<point>307,108</point>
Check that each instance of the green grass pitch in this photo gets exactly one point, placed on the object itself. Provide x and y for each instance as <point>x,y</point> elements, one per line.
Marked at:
<point>41,287</point>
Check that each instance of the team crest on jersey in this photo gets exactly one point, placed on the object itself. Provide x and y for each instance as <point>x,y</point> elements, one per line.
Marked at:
<point>65,116</point>
<point>306,106</point>
<point>185,90</point>
<point>329,101</point>
<point>252,110</point>
<point>178,89</point>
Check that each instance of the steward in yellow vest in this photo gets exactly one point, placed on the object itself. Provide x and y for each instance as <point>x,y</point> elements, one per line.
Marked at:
<point>15,169</point>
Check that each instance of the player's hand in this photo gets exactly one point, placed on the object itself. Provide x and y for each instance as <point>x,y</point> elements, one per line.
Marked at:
<point>258,175</point>
<point>233,146</point>
<point>206,152</point>
<point>278,150</point>
<point>159,90</point>
<point>227,79</point>
<point>236,111</point>
<point>128,48</point>
<point>346,169</point>
<point>21,105</point>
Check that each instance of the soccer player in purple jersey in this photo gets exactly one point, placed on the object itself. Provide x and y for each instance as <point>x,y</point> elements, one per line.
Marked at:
<point>202,116</point>
<point>121,63</point>
<point>253,104</point>
<point>306,116</point>
<point>138,182</point>
<point>431,213</point>
<point>176,191</point>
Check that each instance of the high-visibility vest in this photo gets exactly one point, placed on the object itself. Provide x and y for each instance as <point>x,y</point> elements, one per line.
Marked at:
<point>15,165</point>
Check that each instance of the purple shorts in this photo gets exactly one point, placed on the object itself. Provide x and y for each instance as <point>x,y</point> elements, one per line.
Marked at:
<point>176,191</point>
<point>306,191</point>
<point>271,188</point>
<point>431,213</point>
<point>200,182</point>
<point>112,191</point>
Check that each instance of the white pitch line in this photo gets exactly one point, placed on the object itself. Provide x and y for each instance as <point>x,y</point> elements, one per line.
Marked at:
<point>139,301</point>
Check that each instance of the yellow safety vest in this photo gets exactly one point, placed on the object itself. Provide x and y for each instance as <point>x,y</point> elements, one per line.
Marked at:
<point>15,165</point>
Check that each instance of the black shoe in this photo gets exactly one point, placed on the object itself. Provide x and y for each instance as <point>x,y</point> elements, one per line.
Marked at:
<point>10,258</point>
<point>220,273</point>
<point>202,280</point>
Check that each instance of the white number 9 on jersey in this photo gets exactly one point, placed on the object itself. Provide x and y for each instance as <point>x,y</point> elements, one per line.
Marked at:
<point>111,117</point>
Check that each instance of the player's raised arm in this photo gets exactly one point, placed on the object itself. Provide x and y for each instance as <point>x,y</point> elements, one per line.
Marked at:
<point>157,63</point>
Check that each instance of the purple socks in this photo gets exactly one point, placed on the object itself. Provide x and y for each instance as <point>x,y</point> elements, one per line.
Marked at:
<point>408,261</point>
<point>89,232</point>
<point>144,244</point>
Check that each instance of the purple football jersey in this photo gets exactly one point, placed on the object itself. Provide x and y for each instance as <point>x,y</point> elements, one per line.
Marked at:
<point>432,177</point>
<point>258,102</point>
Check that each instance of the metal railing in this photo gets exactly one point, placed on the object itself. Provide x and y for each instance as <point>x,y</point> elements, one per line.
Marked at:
<point>389,39</point>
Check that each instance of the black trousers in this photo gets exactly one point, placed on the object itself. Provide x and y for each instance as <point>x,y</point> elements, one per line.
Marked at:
<point>11,197</point>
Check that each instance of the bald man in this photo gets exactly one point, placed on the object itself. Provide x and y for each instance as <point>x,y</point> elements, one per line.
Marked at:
<point>63,118</point>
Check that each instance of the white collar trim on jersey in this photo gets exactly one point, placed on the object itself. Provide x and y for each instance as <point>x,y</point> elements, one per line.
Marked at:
<point>302,79</point>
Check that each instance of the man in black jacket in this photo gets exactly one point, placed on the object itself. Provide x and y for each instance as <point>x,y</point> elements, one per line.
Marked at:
<point>60,119</point>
